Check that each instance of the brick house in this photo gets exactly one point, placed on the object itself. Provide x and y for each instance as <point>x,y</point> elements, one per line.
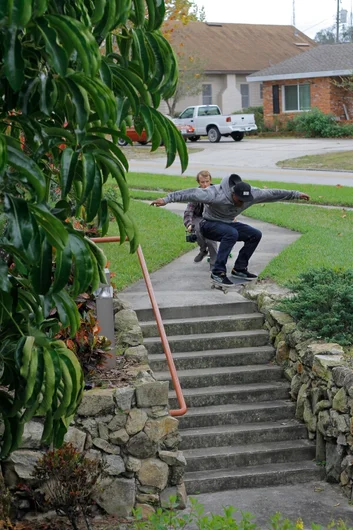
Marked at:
<point>307,81</point>
<point>230,53</point>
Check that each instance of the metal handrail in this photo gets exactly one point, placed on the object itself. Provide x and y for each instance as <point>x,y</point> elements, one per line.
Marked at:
<point>182,405</point>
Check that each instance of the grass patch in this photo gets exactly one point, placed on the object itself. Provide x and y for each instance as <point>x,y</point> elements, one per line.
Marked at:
<point>162,238</point>
<point>327,239</point>
<point>320,194</point>
<point>335,161</point>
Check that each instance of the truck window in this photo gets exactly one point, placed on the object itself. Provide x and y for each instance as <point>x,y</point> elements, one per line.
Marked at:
<point>188,113</point>
<point>209,110</point>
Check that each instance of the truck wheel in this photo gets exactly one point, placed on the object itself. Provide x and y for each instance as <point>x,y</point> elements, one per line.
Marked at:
<point>237,136</point>
<point>122,142</point>
<point>194,138</point>
<point>214,135</point>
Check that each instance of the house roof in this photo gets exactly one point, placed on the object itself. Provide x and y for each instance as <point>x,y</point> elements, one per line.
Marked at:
<point>322,61</point>
<point>239,48</point>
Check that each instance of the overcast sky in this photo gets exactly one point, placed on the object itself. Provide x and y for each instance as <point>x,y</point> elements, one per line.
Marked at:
<point>310,15</point>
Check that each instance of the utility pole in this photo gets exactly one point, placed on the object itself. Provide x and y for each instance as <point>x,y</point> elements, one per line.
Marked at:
<point>294,13</point>
<point>338,22</point>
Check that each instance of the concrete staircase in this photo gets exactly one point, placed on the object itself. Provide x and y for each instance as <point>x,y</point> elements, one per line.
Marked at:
<point>240,430</point>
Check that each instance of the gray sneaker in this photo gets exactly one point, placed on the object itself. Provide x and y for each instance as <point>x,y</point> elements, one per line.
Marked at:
<point>243,275</point>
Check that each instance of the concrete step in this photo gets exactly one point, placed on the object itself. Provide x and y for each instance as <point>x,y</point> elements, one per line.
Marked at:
<point>237,414</point>
<point>210,358</point>
<point>228,375</point>
<point>252,476</point>
<point>187,326</point>
<point>223,395</point>
<point>209,341</point>
<point>204,310</point>
<point>249,455</point>
<point>249,433</point>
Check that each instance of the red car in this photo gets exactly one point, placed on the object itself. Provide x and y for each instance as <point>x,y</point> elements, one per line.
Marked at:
<point>186,130</point>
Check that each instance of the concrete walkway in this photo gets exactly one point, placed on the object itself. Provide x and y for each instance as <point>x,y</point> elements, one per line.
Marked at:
<point>185,283</point>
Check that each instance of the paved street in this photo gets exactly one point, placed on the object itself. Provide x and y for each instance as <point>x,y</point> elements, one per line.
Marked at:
<point>255,159</point>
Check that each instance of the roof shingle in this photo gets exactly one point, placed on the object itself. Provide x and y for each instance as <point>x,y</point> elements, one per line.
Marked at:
<point>324,58</point>
<point>240,48</point>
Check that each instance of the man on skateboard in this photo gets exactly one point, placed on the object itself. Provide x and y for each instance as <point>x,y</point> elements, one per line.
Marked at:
<point>223,202</point>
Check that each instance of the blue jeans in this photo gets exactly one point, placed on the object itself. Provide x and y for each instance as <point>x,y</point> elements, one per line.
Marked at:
<point>228,234</point>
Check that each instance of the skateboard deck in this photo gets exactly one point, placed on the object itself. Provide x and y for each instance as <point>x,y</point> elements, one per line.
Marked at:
<point>226,288</point>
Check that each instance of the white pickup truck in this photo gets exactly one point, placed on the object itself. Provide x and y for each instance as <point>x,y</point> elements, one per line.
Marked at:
<point>207,120</point>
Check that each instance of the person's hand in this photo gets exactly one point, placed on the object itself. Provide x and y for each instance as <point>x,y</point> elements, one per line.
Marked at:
<point>158,202</point>
<point>189,228</point>
<point>304,197</point>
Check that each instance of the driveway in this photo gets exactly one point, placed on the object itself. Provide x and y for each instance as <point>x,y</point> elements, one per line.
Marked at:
<point>255,158</point>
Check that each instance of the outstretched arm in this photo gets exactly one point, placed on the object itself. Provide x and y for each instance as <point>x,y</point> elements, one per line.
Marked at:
<point>274,195</point>
<point>204,195</point>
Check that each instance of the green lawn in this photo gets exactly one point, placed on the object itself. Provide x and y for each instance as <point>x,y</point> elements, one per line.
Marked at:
<point>162,238</point>
<point>327,238</point>
<point>326,241</point>
<point>334,161</point>
<point>159,185</point>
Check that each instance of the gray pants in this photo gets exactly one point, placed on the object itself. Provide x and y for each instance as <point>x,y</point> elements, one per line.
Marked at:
<point>205,244</point>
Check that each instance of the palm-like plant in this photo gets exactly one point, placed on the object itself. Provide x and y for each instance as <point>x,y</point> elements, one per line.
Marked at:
<point>72,74</point>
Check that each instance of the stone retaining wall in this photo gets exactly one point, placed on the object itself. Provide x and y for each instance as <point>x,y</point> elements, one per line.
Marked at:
<point>129,428</point>
<point>321,385</point>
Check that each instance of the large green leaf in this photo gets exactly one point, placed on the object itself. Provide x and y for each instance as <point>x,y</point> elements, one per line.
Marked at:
<point>28,171</point>
<point>13,60</point>
<point>52,226</point>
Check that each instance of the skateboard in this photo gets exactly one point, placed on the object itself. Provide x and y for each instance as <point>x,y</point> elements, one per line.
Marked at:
<point>225,288</point>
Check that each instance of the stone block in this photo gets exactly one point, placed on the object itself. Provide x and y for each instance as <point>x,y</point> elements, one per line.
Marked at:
<point>19,467</point>
<point>119,437</point>
<point>123,398</point>
<point>89,425</point>
<point>309,418</point>
<point>282,352</point>
<point>114,465</point>
<point>136,421</point>
<point>172,458</point>
<point>125,320</point>
<point>320,454</point>
<point>339,374</point>
<point>103,431</point>
<point>76,437</point>
<point>133,464</point>
<point>333,462</point>
<point>145,509</point>
<point>32,435</point>
<point>118,421</point>
<point>137,352</point>
<point>116,496</point>
<point>302,395</point>
<point>119,305</point>
<point>340,401</point>
<point>106,446</point>
<point>323,364</point>
<point>141,446</point>
<point>131,337</point>
<point>153,472</point>
<point>324,404</point>
<point>157,430</point>
<point>152,394</point>
<point>96,402</point>
<point>295,386</point>
<point>281,318</point>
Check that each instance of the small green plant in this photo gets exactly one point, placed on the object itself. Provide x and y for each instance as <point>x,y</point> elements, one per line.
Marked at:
<point>195,517</point>
<point>69,478</point>
<point>323,304</point>
<point>5,504</point>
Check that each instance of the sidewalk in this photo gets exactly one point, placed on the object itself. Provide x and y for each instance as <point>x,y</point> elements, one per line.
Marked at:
<point>185,283</point>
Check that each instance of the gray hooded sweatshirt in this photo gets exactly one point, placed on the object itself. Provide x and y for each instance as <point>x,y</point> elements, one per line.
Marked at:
<point>219,205</point>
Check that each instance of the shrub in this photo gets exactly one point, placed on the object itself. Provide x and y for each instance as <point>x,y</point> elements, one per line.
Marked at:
<point>69,479</point>
<point>315,123</point>
<point>323,304</point>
